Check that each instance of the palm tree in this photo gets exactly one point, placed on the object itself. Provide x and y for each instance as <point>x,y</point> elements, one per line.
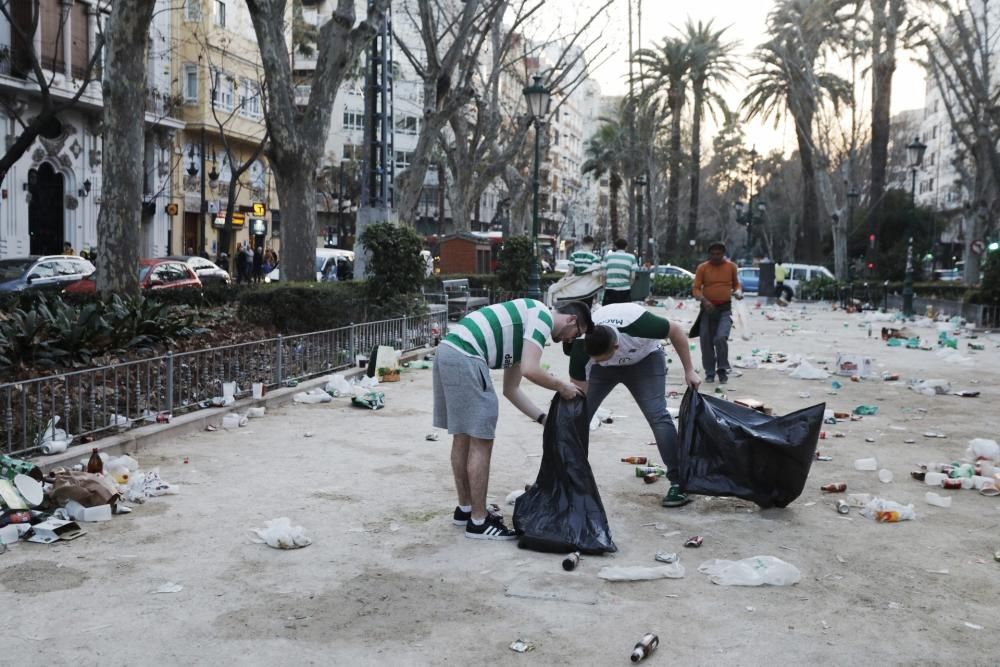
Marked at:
<point>712,65</point>
<point>790,79</point>
<point>605,151</point>
<point>668,67</point>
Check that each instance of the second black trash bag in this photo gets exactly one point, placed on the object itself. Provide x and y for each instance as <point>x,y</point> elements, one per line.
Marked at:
<point>729,450</point>
<point>562,511</point>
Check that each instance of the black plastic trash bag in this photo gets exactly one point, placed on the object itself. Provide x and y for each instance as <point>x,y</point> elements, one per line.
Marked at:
<point>730,450</point>
<point>562,511</point>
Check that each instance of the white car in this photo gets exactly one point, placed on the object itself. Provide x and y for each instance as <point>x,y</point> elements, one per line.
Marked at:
<point>671,270</point>
<point>327,260</point>
<point>797,273</point>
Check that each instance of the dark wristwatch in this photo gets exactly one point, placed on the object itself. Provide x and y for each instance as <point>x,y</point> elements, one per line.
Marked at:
<point>541,418</point>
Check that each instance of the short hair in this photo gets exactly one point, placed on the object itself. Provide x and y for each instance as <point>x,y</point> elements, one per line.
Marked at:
<point>718,245</point>
<point>621,244</point>
<point>582,313</point>
<point>588,239</point>
<point>600,341</point>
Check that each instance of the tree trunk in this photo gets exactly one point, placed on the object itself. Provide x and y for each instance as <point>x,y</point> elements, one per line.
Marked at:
<point>124,88</point>
<point>674,182</point>
<point>808,241</point>
<point>885,14</point>
<point>699,101</point>
<point>297,194</point>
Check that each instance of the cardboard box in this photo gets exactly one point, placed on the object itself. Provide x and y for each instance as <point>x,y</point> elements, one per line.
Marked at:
<point>855,365</point>
<point>49,531</point>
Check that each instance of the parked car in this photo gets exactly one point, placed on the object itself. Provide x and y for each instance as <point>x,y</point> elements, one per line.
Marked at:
<point>331,264</point>
<point>45,272</point>
<point>749,279</point>
<point>563,265</point>
<point>671,270</point>
<point>208,272</point>
<point>797,273</point>
<point>154,275</point>
<point>948,275</point>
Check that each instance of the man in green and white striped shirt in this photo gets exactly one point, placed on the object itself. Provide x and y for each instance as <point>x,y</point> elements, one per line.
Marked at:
<point>620,267</point>
<point>511,336</point>
<point>584,258</point>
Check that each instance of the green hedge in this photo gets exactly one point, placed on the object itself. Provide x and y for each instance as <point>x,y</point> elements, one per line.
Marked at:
<point>826,288</point>
<point>675,286</point>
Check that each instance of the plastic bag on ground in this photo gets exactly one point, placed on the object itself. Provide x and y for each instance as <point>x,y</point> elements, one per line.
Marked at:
<point>281,534</point>
<point>148,485</point>
<point>312,396</point>
<point>562,511</point>
<point>641,573</point>
<point>931,387</point>
<point>887,511</point>
<point>741,318</point>
<point>54,440</point>
<point>982,448</point>
<point>807,371</point>
<point>755,571</point>
<point>730,450</point>
<point>337,385</point>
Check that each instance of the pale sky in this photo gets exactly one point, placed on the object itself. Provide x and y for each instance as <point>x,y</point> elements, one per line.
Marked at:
<point>747,19</point>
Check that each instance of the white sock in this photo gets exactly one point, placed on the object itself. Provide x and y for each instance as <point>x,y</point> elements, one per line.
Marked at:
<point>465,508</point>
<point>479,522</point>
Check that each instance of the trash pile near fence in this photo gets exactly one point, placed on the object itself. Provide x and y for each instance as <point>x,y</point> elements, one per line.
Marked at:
<point>45,508</point>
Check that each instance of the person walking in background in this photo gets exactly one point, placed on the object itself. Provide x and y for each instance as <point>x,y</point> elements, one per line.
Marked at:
<point>258,264</point>
<point>715,283</point>
<point>68,248</point>
<point>240,261</point>
<point>620,266</point>
<point>584,258</point>
<point>511,336</point>
<point>222,261</point>
<point>780,290</point>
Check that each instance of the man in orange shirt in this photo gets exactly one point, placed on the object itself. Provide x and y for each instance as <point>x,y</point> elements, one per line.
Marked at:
<point>715,283</point>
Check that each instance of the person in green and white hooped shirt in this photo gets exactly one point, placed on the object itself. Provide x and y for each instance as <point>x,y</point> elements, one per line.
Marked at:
<point>620,267</point>
<point>583,261</point>
<point>624,348</point>
<point>511,336</point>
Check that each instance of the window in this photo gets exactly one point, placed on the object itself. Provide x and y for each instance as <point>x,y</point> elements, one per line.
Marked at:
<point>220,13</point>
<point>352,152</point>
<point>53,28</point>
<point>192,10</point>
<point>934,132</point>
<point>933,155</point>
<point>190,83</point>
<point>249,98</point>
<point>354,120</point>
<point>223,90</point>
<point>80,40</point>
<point>403,159</point>
<point>930,184</point>
<point>799,274</point>
<point>407,125</point>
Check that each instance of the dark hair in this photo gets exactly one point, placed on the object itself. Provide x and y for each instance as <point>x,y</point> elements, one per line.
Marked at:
<point>588,239</point>
<point>600,341</point>
<point>717,245</point>
<point>582,313</point>
<point>621,244</point>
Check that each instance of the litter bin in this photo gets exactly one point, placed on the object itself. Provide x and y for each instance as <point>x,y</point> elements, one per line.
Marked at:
<point>642,285</point>
<point>765,284</point>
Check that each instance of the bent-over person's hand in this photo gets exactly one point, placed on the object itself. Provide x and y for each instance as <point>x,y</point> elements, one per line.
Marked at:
<point>692,379</point>
<point>569,391</point>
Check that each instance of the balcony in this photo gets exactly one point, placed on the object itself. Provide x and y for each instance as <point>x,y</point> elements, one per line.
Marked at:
<point>162,104</point>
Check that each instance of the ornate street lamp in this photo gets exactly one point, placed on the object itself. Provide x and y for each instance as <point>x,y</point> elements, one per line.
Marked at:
<point>538,98</point>
<point>915,155</point>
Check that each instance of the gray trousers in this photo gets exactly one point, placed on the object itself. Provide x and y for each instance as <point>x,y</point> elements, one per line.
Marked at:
<point>647,382</point>
<point>714,337</point>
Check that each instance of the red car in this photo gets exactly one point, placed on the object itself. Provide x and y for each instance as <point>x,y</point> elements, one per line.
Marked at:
<point>154,275</point>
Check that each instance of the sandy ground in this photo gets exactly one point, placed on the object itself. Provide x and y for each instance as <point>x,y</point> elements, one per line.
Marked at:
<point>389,581</point>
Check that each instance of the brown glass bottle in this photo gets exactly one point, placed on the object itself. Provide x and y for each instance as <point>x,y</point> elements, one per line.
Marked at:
<point>95,465</point>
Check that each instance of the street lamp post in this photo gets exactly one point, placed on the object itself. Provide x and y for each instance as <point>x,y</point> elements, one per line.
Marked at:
<point>193,170</point>
<point>538,97</point>
<point>915,155</point>
<point>747,218</point>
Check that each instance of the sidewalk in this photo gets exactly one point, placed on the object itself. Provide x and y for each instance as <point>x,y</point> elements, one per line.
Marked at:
<point>389,581</point>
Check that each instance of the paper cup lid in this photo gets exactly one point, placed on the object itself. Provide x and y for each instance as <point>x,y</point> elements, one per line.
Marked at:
<point>30,489</point>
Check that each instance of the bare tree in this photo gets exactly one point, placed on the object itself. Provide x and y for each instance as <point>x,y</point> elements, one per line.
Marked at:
<point>23,60</point>
<point>124,89</point>
<point>299,135</point>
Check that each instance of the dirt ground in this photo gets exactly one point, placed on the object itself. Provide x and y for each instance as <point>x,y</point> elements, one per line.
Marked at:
<point>389,581</point>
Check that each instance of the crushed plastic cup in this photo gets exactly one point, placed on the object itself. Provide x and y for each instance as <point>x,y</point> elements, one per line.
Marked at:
<point>934,478</point>
<point>228,391</point>
<point>885,475</point>
<point>258,390</point>
<point>936,500</point>
<point>231,421</point>
<point>869,464</point>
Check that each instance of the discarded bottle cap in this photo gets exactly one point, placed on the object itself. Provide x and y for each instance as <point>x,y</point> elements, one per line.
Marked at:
<point>843,507</point>
<point>694,542</point>
<point>571,561</point>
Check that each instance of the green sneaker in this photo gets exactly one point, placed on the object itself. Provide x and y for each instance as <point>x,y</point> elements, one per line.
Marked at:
<point>675,497</point>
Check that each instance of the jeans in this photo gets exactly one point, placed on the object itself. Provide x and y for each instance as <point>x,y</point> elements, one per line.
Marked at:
<point>617,296</point>
<point>714,336</point>
<point>646,381</point>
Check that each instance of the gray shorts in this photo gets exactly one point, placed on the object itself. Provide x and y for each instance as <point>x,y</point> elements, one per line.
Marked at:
<point>464,400</point>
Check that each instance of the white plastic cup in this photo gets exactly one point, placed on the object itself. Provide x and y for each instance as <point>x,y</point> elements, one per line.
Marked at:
<point>9,534</point>
<point>979,481</point>
<point>228,390</point>
<point>231,421</point>
<point>937,501</point>
<point>967,483</point>
<point>258,390</point>
<point>866,464</point>
<point>885,475</point>
<point>934,478</point>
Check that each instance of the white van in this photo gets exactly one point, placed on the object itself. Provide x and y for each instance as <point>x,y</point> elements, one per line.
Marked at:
<point>327,261</point>
<point>798,273</point>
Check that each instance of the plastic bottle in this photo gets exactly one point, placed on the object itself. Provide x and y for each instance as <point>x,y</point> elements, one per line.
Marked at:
<point>95,465</point>
<point>644,647</point>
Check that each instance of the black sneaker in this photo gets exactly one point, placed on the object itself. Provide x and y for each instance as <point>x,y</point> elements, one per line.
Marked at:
<point>492,529</point>
<point>709,378</point>
<point>461,518</point>
<point>723,377</point>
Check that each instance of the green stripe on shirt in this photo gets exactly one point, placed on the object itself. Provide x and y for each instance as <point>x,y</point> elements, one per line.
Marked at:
<point>517,329</point>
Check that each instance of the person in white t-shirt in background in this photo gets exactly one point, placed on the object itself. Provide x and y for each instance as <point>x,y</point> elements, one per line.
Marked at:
<point>624,348</point>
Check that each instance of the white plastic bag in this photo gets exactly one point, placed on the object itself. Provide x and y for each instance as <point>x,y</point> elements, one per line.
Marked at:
<point>336,385</point>
<point>54,440</point>
<point>741,318</point>
<point>931,387</point>
<point>755,571</point>
<point>887,511</point>
<point>641,573</point>
<point>807,371</point>
<point>981,448</point>
<point>281,534</point>
<point>312,396</point>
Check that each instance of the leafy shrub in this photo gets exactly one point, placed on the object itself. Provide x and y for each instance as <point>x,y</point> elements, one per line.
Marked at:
<point>676,286</point>
<point>514,263</point>
<point>820,287</point>
<point>989,290</point>
<point>395,265</point>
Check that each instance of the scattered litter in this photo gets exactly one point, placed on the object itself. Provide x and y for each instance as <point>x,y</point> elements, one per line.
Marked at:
<point>281,534</point>
<point>169,587</point>
<point>885,475</point>
<point>973,626</point>
<point>312,396</point>
<point>666,557</point>
<point>521,646</point>
<point>513,496</point>
<point>336,385</point>
<point>639,573</point>
<point>930,387</point>
<point>148,485</point>
<point>694,542</point>
<point>434,437</point>
<point>256,413</point>
<point>807,371</point>
<point>308,434</point>
<point>211,427</point>
<point>936,500</point>
<point>887,511</point>
<point>54,440</point>
<point>755,571</point>
<point>373,400</point>
<point>933,434</point>
<point>855,365</point>
<point>982,448</point>
<point>866,410</point>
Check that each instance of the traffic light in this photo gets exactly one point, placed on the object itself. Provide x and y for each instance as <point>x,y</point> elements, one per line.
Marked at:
<point>871,240</point>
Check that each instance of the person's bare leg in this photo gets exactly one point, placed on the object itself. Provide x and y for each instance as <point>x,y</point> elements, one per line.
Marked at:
<point>460,468</point>
<point>479,453</point>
